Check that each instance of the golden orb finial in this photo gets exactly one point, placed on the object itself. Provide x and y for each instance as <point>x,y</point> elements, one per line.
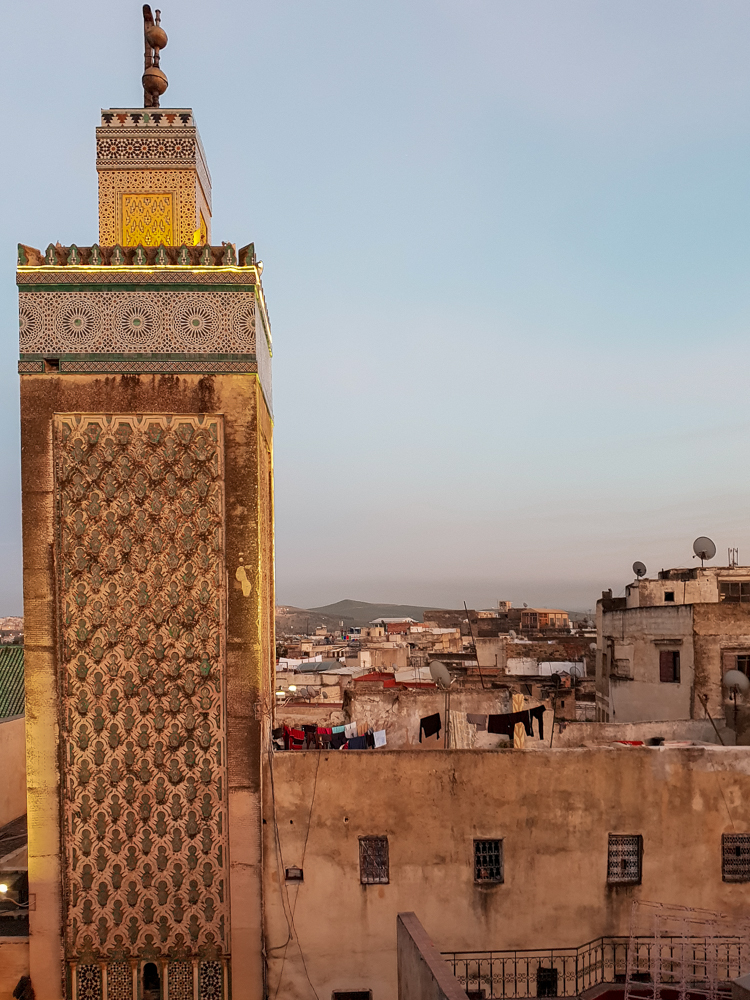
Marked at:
<point>155,37</point>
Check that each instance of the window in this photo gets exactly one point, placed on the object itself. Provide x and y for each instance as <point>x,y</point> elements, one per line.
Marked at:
<point>351,995</point>
<point>734,591</point>
<point>669,666</point>
<point>488,861</point>
<point>669,595</point>
<point>735,857</point>
<point>373,860</point>
<point>294,874</point>
<point>743,664</point>
<point>624,859</point>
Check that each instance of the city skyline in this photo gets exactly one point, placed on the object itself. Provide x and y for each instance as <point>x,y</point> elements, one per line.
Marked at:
<point>506,251</point>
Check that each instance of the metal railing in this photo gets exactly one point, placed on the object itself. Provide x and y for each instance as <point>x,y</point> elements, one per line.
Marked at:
<point>568,972</point>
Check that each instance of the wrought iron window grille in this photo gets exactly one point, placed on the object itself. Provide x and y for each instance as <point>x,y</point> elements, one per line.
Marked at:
<point>373,861</point>
<point>735,857</point>
<point>488,861</point>
<point>624,856</point>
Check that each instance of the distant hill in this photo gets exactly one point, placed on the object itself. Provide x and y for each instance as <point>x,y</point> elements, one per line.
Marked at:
<point>362,613</point>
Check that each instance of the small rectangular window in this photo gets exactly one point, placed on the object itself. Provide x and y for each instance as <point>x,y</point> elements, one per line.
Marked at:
<point>735,857</point>
<point>734,591</point>
<point>488,861</point>
<point>624,859</point>
<point>743,664</point>
<point>295,874</point>
<point>669,666</point>
<point>351,995</point>
<point>669,595</point>
<point>52,364</point>
<point>373,860</point>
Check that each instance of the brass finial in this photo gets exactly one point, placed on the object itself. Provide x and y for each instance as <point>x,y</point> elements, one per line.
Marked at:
<point>155,37</point>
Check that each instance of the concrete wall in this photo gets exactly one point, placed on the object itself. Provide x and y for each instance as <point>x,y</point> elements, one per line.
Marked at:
<point>552,809</point>
<point>13,756</point>
<point>14,963</point>
<point>422,972</point>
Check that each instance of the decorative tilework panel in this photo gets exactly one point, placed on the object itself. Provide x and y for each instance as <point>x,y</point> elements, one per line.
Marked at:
<point>181,184</point>
<point>210,985</point>
<point>142,599</point>
<point>147,219</point>
<point>89,982</point>
<point>180,981</point>
<point>136,322</point>
<point>157,367</point>
<point>119,981</point>
<point>137,147</point>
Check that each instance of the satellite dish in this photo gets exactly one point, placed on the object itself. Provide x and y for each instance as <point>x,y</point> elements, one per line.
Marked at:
<point>440,674</point>
<point>639,569</point>
<point>525,604</point>
<point>736,681</point>
<point>511,634</point>
<point>704,548</point>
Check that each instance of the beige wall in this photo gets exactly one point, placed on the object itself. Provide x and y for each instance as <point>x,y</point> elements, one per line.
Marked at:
<point>13,756</point>
<point>553,811</point>
<point>14,963</point>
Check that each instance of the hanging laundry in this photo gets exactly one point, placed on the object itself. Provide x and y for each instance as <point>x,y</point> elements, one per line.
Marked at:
<point>358,743</point>
<point>480,721</point>
<point>538,714</point>
<point>338,729</point>
<point>379,737</point>
<point>430,725</point>
<point>337,741</point>
<point>350,730</point>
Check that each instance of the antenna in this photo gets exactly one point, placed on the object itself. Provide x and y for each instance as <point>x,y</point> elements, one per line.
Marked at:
<point>474,644</point>
<point>733,558</point>
<point>440,674</point>
<point>639,569</point>
<point>704,548</point>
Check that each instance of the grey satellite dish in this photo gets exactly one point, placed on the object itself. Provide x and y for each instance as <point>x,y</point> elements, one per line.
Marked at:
<point>511,634</point>
<point>440,674</point>
<point>704,548</point>
<point>639,569</point>
<point>736,682</point>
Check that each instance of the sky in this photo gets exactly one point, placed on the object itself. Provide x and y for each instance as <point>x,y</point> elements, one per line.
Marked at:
<point>506,249</point>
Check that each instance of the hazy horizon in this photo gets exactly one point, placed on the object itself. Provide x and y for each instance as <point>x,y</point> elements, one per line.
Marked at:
<point>506,261</point>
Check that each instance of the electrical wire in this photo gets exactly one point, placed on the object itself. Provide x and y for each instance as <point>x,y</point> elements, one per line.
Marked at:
<point>291,927</point>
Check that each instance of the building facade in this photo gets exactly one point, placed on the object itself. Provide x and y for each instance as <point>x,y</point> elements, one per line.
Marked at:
<point>663,649</point>
<point>147,479</point>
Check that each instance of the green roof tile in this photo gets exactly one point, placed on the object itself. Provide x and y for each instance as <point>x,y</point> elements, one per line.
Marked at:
<point>12,694</point>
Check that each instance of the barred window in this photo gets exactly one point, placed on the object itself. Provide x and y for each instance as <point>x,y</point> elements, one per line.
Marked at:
<point>373,860</point>
<point>624,859</point>
<point>488,861</point>
<point>735,857</point>
<point>734,591</point>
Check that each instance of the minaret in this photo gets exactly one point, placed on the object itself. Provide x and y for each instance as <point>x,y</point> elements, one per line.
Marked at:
<point>146,436</point>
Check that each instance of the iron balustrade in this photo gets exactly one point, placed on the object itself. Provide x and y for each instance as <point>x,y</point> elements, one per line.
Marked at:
<point>568,972</point>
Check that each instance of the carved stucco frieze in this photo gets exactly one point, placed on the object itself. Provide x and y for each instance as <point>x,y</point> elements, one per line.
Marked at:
<point>142,607</point>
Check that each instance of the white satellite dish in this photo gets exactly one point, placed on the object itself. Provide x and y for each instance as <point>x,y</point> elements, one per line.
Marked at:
<point>736,682</point>
<point>639,569</point>
<point>511,634</point>
<point>440,674</point>
<point>704,548</point>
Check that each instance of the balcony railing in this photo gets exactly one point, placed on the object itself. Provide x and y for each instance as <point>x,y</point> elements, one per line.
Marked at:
<point>687,963</point>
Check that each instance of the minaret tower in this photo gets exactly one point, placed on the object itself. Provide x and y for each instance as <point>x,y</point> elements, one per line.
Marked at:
<point>146,436</point>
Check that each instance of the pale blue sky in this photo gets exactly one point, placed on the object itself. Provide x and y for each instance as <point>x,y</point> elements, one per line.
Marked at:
<point>506,258</point>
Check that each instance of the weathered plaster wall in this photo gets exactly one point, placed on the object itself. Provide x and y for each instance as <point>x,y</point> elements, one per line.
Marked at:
<point>636,636</point>
<point>13,756</point>
<point>249,663</point>
<point>553,810</point>
<point>578,734</point>
<point>718,627</point>
<point>14,963</point>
